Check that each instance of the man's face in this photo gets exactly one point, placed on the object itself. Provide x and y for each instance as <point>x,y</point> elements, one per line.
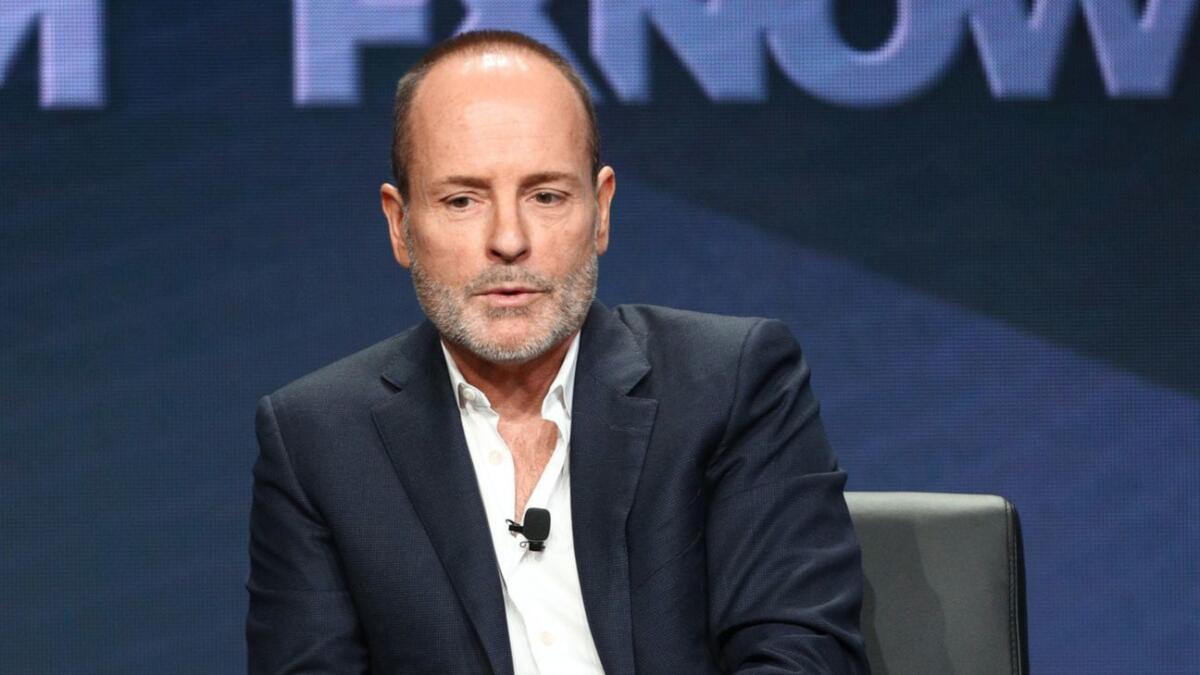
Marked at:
<point>504,220</point>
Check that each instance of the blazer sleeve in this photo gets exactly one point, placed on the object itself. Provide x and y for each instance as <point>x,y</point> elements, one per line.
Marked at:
<point>301,618</point>
<point>785,576</point>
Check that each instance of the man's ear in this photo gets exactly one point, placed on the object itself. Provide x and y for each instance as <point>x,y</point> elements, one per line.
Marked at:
<point>606,187</point>
<point>393,210</point>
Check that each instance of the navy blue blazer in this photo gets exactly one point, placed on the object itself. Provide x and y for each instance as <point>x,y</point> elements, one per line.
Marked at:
<point>710,530</point>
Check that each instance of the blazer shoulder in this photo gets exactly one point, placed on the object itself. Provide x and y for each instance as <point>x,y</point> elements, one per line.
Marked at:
<point>356,378</point>
<point>695,341</point>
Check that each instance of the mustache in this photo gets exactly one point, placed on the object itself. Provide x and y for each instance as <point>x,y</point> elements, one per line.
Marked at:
<point>494,276</point>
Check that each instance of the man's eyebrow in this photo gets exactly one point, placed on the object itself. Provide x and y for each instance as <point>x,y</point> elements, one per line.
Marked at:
<point>462,181</point>
<point>527,181</point>
<point>549,177</point>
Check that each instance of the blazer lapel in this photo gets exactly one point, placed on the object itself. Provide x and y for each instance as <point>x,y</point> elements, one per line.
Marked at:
<point>424,438</point>
<point>609,434</point>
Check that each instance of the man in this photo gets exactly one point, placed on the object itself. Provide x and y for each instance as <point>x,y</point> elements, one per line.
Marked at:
<point>697,519</point>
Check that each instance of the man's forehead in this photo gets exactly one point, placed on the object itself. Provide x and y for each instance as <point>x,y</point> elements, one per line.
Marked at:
<point>496,59</point>
<point>492,70</point>
<point>493,94</point>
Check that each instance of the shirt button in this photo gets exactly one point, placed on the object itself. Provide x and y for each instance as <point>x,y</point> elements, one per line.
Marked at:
<point>494,458</point>
<point>547,638</point>
<point>468,395</point>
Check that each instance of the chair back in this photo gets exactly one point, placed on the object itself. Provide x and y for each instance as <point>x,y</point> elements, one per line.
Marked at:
<point>945,583</point>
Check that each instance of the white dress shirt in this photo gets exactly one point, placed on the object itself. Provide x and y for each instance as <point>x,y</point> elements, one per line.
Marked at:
<point>547,627</point>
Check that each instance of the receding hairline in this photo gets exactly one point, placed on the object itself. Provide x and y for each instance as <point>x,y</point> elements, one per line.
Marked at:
<point>465,46</point>
<point>441,66</point>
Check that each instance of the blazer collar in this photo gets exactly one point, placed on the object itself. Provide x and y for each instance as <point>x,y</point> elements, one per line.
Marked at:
<point>423,435</point>
<point>610,430</point>
<point>422,432</point>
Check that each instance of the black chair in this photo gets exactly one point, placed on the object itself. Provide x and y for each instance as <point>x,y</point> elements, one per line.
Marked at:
<point>945,583</point>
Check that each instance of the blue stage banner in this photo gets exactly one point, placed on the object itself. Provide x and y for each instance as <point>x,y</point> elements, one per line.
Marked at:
<point>981,218</point>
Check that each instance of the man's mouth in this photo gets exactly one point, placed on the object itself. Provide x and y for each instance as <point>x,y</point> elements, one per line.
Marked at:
<point>511,295</point>
<point>511,290</point>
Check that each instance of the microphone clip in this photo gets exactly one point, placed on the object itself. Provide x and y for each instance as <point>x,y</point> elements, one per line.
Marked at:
<point>536,528</point>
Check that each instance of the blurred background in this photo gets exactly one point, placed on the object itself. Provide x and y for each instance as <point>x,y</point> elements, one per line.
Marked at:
<point>981,220</point>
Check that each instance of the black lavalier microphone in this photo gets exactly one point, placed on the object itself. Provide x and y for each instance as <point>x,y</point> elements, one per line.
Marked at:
<point>535,529</point>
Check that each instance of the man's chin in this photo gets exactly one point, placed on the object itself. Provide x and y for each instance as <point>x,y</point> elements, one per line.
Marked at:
<point>517,350</point>
<point>512,340</point>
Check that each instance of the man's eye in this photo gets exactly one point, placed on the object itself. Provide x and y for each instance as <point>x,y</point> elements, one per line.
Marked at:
<point>547,198</point>
<point>460,202</point>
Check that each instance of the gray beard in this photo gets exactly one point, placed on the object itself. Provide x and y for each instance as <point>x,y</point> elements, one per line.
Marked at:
<point>446,308</point>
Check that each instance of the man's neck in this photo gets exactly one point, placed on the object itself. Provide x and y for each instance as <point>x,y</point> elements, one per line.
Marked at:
<point>512,388</point>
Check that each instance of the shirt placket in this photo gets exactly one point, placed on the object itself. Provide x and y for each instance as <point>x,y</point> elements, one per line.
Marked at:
<point>534,569</point>
<point>501,493</point>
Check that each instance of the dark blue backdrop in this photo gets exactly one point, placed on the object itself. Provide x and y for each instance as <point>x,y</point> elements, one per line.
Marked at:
<point>997,294</point>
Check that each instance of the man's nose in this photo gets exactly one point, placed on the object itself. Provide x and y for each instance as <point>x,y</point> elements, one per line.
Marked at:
<point>508,241</point>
